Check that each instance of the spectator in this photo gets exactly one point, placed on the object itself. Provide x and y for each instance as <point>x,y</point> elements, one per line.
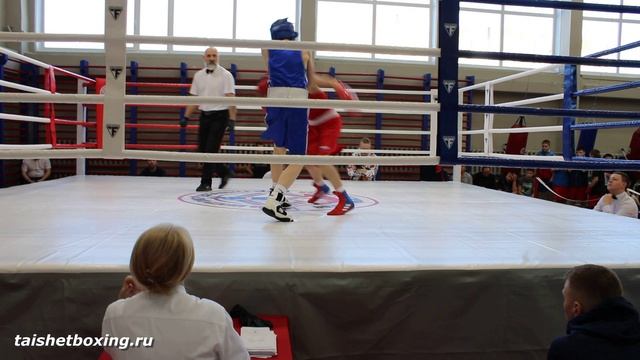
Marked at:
<point>36,170</point>
<point>213,80</point>
<point>545,174</point>
<point>363,172</point>
<point>465,177</point>
<point>153,169</point>
<point>618,201</point>
<point>485,178</point>
<point>579,183</point>
<point>596,186</point>
<point>509,182</point>
<point>527,185</point>
<point>601,323</point>
<point>154,303</point>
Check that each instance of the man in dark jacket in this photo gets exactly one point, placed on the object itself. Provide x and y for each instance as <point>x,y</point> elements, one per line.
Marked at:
<point>602,324</point>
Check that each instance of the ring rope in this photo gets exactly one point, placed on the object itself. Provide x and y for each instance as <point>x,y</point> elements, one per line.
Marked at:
<point>396,107</point>
<point>255,44</point>
<point>26,88</point>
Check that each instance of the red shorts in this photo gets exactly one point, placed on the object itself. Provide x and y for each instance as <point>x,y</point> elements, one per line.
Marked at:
<point>323,138</point>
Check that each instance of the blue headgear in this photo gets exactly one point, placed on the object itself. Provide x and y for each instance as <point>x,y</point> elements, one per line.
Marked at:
<point>282,29</point>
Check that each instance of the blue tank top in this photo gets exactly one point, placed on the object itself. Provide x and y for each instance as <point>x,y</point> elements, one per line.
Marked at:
<point>286,69</point>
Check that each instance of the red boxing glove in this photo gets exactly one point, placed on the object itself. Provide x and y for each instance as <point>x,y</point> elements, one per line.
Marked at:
<point>263,85</point>
<point>342,91</point>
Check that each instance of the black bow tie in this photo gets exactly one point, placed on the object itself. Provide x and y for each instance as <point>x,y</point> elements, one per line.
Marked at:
<point>210,71</point>
<point>614,197</point>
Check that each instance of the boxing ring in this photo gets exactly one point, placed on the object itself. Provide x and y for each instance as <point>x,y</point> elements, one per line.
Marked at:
<point>421,270</point>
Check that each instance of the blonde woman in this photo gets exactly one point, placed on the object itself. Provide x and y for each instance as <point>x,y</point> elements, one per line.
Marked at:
<point>155,304</point>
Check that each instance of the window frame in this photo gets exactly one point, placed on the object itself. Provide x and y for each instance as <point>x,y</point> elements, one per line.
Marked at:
<point>433,27</point>
<point>555,41</point>
<point>135,48</point>
<point>619,21</point>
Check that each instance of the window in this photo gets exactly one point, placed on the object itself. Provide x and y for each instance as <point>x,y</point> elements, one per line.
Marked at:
<point>56,21</point>
<point>378,22</point>
<point>225,19</point>
<point>486,27</point>
<point>602,31</point>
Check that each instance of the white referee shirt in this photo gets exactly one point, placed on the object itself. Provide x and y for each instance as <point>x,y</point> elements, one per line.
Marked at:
<point>218,83</point>
<point>622,205</point>
<point>183,326</point>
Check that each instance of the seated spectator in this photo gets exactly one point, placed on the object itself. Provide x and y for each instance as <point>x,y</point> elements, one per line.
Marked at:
<point>545,175</point>
<point>155,304</point>
<point>527,183</point>
<point>601,323</point>
<point>617,201</point>
<point>485,178</point>
<point>597,186</point>
<point>363,172</point>
<point>36,170</point>
<point>153,169</point>
<point>578,183</point>
<point>509,182</point>
<point>465,176</point>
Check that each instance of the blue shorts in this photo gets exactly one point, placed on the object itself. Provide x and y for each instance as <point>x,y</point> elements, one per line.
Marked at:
<point>288,128</point>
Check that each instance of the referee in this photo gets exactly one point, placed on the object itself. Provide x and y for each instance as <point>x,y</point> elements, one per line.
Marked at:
<point>213,80</point>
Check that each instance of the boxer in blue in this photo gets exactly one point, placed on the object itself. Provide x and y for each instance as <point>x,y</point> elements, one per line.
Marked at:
<point>289,74</point>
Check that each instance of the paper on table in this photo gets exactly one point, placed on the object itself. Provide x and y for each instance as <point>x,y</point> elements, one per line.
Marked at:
<point>260,341</point>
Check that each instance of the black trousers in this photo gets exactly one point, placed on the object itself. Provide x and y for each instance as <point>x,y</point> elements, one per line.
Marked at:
<point>213,124</point>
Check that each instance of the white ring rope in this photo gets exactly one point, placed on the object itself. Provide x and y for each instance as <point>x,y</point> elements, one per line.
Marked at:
<point>396,107</point>
<point>510,77</point>
<point>343,151</point>
<point>221,157</point>
<point>5,147</point>
<point>552,128</point>
<point>349,131</point>
<point>358,91</point>
<point>255,44</point>
<point>535,100</point>
<point>15,55</point>
<point>512,156</point>
<point>37,151</point>
<point>37,119</point>
<point>26,88</point>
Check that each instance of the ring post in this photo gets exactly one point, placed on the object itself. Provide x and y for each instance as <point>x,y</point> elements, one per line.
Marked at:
<point>184,77</point>
<point>332,73</point>
<point>232,133</point>
<point>115,63</point>
<point>569,102</point>
<point>81,114</point>
<point>426,119</point>
<point>448,37</point>
<point>133,116</point>
<point>470,81</point>
<point>3,61</point>
<point>29,75</point>
<point>379,97</point>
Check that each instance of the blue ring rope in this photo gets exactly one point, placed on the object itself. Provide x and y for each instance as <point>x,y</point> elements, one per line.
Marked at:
<point>563,5</point>
<point>551,59</point>
<point>607,125</point>
<point>604,114</point>
<point>608,88</point>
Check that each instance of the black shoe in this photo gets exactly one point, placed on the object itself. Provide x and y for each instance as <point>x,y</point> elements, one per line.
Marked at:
<point>203,187</point>
<point>224,180</point>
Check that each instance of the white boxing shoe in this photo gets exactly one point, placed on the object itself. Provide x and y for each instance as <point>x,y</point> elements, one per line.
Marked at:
<point>273,207</point>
